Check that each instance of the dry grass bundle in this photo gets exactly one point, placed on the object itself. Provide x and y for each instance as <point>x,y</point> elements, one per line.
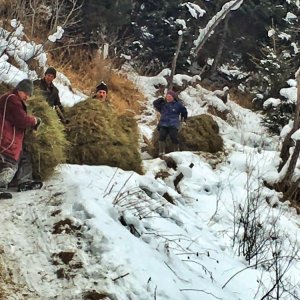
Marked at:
<point>48,145</point>
<point>200,134</point>
<point>4,88</point>
<point>98,136</point>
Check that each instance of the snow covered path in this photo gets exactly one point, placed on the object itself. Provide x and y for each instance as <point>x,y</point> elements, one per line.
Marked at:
<point>39,247</point>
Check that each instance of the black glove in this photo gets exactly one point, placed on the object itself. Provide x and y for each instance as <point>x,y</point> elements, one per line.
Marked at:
<point>38,123</point>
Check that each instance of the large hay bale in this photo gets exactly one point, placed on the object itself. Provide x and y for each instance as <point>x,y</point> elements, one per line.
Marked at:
<point>48,145</point>
<point>98,136</point>
<point>200,134</point>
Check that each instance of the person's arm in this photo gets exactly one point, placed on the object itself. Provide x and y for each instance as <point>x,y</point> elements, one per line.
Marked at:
<point>184,113</point>
<point>158,104</point>
<point>56,101</point>
<point>16,114</point>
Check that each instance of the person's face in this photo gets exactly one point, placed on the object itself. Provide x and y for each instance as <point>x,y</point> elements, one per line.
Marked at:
<point>49,78</point>
<point>101,95</point>
<point>169,98</point>
<point>23,95</point>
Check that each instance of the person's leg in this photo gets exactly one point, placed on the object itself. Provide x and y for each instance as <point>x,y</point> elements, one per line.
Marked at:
<point>173,132</point>
<point>24,174</point>
<point>8,169</point>
<point>163,132</point>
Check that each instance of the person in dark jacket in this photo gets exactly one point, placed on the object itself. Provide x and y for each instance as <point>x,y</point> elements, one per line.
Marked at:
<point>50,92</point>
<point>172,112</point>
<point>14,120</point>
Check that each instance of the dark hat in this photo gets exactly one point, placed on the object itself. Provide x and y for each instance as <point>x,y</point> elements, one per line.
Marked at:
<point>26,86</point>
<point>172,93</point>
<point>101,87</point>
<point>52,71</point>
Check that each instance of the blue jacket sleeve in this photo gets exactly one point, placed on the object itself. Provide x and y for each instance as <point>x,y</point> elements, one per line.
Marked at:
<point>183,113</point>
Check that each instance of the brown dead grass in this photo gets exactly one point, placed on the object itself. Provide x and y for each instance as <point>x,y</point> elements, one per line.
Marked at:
<point>85,73</point>
<point>241,98</point>
<point>4,88</point>
<point>6,283</point>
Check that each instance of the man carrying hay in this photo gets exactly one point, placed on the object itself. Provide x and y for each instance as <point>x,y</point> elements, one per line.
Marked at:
<point>14,120</point>
<point>170,110</point>
<point>101,92</point>
<point>50,92</point>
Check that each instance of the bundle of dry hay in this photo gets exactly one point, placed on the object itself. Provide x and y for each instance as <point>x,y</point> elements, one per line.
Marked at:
<point>4,88</point>
<point>48,145</point>
<point>98,136</point>
<point>200,134</point>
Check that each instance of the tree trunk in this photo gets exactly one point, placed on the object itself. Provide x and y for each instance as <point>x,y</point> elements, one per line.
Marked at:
<point>291,168</point>
<point>174,62</point>
<point>221,47</point>
<point>288,141</point>
<point>212,24</point>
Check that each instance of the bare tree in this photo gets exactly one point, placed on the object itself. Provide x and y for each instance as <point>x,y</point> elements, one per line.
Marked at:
<point>174,62</point>
<point>206,32</point>
<point>221,46</point>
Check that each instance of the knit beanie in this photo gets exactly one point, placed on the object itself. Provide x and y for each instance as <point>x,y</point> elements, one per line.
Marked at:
<point>172,93</point>
<point>26,86</point>
<point>101,87</point>
<point>52,71</point>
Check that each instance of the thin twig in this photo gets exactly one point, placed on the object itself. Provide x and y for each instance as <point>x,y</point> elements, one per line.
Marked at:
<point>175,273</point>
<point>120,277</point>
<point>116,198</point>
<point>196,290</point>
<point>111,180</point>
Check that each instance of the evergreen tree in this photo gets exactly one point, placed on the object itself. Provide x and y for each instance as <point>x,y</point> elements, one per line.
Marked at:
<point>278,62</point>
<point>154,30</point>
<point>104,20</point>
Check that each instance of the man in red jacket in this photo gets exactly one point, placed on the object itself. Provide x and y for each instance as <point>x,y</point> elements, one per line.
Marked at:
<point>13,122</point>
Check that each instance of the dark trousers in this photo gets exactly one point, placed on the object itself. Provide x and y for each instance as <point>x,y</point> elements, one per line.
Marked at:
<point>171,131</point>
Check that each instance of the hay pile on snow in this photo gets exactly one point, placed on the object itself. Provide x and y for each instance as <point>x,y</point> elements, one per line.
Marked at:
<point>98,136</point>
<point>200,134</point>
<point>48,145</point>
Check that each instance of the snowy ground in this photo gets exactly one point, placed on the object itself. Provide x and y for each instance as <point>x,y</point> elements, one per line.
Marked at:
<point>100,229</point>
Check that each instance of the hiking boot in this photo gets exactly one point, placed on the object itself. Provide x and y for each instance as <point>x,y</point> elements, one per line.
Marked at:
<point>29,185</point>
<point>5,195</point>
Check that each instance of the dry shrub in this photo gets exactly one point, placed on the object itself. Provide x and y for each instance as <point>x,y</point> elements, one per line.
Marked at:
<point>200,134</point>
<point>124,95</point>
<point>48,145</point>
<point>214,111</point>
<point>9,287</point>
<point>2,282</point>
<point>83,71</point>
<point>243,99</point>
<point>86,72</point>
<point>98,136</point>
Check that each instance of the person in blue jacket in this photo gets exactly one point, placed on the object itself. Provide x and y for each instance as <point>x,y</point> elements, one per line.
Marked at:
<point>172,112</point>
